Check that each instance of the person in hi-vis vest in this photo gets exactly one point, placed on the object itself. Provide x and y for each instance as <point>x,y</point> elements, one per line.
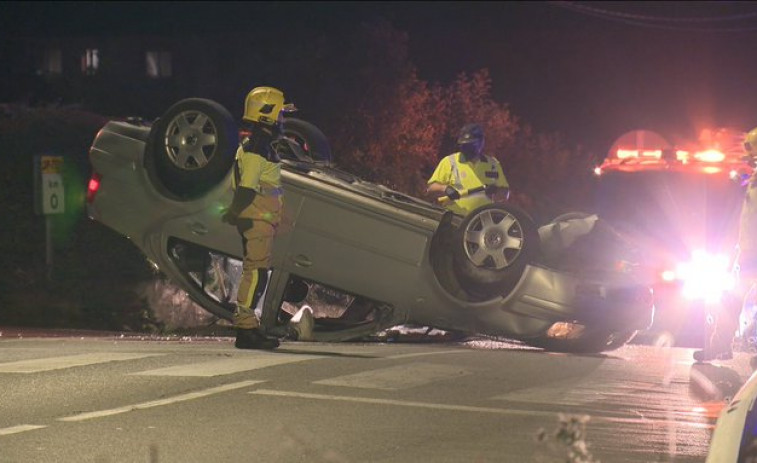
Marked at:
<point>468,178</point>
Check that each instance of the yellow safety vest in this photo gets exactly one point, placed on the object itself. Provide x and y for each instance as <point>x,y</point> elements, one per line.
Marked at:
<point>253,171</point>
<point>465,175</point>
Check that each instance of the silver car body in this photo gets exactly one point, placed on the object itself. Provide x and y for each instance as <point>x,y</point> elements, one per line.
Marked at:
<point>357,237</point>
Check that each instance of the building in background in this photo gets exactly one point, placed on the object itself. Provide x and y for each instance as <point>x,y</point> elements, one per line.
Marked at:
<point>117,76</point>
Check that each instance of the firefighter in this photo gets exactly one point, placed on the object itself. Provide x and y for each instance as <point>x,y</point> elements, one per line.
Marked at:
<point>468,177</point>
<point>720,345</point>
<point>256,207</point>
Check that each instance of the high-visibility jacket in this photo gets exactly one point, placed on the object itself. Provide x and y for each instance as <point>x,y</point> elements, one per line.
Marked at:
<point>455,171</point>
<point>255,172</point>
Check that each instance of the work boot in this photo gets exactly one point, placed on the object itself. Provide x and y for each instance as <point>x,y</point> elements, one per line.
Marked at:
<point>705,355</point>
<point>302,323</point>
<point>254,339</point>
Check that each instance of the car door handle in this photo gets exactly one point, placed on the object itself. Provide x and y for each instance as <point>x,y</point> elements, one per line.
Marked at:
<point>302,261</point>
<point>197,228</point>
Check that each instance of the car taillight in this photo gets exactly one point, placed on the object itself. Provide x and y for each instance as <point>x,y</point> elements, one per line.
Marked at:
<point>93,186</point>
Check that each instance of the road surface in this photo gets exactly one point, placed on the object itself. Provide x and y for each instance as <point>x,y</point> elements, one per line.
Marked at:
<point>76,397</point>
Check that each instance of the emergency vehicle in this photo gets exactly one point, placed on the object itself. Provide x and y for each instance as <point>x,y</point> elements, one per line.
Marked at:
<point>680,204</point>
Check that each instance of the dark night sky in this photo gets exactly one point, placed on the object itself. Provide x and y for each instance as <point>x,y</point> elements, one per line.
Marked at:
<point>590,73</point>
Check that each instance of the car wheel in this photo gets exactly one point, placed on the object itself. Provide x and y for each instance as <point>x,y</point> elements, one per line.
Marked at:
<point>191,148</point>
<point>493,245</point>
<point>303,141</point>
<point>579,339</point>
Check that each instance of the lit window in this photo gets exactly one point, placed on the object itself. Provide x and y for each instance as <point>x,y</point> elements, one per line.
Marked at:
<point>90,61</point>
<point>158,64</point>
<point>52,61</point>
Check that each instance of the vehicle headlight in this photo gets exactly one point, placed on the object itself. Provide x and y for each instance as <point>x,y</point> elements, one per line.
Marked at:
<point>705,277</point>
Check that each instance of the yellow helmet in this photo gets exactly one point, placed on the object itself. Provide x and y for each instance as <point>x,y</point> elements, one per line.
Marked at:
<point>264,105</point>
<point>750,142</point>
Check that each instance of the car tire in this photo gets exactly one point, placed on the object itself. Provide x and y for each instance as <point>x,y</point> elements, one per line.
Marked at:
<point>583,340</point>
<point>493,245</point>
<point>303,141</point>
<point>191,148</point>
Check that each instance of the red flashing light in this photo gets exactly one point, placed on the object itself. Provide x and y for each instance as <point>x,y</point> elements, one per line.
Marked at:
<point>710,156</point>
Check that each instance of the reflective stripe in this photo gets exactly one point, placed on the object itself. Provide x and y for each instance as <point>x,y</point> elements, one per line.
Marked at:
<point>453,159</point>
<point>237,174</point>
<point>271,191</point>
<point>455,171</point>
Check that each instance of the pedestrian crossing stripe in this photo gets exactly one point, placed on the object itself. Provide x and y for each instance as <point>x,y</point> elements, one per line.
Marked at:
<point>68,361</point>
<point>227,366</point>
<point>398,377</point>
<point>160,402</point>
<point>19,429</point>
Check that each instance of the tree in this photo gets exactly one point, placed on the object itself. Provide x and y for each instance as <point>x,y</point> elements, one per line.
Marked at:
<point>386,125</point>
<point>389,126</point>
<point>547,177</point>
<point>469,100</point>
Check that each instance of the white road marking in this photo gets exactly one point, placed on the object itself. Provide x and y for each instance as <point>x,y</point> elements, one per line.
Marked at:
<point>467,408</point>
<point>401,403</point>
<point>161,402</point>
<point>227,366</point>
<point>19,428</point>
<point>558,393</point>
<point>399,377</point>
<point>68,361</point>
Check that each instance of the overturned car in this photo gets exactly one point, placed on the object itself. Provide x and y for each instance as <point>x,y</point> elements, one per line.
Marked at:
<point>569,285</point>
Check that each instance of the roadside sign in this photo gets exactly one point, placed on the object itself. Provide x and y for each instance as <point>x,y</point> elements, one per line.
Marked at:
<point>52,195</point>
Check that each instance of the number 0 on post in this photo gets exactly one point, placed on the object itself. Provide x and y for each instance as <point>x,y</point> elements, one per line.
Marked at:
<point>52,196</point>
